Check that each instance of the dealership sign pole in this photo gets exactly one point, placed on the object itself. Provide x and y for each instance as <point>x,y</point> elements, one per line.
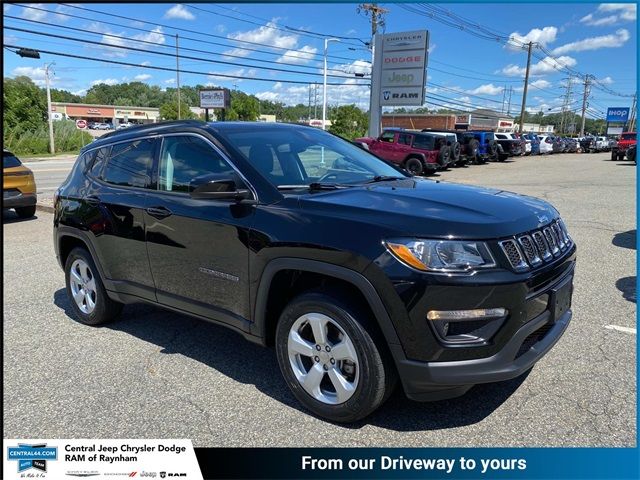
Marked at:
<point>398,74</point>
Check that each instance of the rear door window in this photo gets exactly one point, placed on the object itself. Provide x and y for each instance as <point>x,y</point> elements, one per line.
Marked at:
<point>130,163</point>
<point>424,142</point>
<point>404,139</point>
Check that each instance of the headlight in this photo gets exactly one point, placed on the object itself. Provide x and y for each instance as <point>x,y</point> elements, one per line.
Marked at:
<point>442,255</point>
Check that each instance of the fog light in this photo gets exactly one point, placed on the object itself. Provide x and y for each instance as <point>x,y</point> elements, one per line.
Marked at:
<point>467,326</point>
<point>459,315</point>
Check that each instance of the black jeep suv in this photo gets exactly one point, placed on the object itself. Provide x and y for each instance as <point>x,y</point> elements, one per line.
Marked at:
<point>356,272</point>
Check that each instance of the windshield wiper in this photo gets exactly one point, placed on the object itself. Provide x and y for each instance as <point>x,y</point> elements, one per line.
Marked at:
<point>385,178</point>
<point>314,186</point>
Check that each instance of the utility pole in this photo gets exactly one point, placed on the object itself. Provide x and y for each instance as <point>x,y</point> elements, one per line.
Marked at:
<point>509,105</point>
<point>52,146</point>
<point>315,100</point>
<point>504,96</point>
<point>178,74</point>
<point>587,83</point>
<point>526,86</point>
<point>566,104</point>
<point>309,116</point>
<point>324,82</point>
<point>377,21</point>
<point>632,119</point>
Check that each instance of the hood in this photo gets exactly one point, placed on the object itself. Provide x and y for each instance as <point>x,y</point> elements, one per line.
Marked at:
<point>425,208</point>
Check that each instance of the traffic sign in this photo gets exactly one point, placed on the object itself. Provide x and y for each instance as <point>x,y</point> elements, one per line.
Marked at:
<point>82,124</point>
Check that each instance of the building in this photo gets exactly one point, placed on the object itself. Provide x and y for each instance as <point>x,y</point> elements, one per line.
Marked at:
<point>267,118</point>
<point>104,113</point>
<point>481,119</point>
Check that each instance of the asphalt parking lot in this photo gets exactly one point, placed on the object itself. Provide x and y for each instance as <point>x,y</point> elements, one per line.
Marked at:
<point>156,374</point>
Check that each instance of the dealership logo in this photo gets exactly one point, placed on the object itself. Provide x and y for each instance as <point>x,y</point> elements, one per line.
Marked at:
<point>32,456</point>
<point>401,78</point>
<point>82,473</point>
<point>386,94</point>
<point>396,96</point>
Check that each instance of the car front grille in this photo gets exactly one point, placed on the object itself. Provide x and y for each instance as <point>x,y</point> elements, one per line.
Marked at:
<point>533,249</point>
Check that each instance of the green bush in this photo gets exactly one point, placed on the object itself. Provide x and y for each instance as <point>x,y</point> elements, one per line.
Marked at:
<point>66,136</point>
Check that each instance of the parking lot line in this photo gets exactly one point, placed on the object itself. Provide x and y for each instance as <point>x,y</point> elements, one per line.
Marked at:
<point>632,331</point>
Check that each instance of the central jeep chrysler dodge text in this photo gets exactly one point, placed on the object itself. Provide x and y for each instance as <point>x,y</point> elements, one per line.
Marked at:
<point>356,272</point>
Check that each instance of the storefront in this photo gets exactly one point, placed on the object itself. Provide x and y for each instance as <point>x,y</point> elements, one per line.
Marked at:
<point>104,113</point>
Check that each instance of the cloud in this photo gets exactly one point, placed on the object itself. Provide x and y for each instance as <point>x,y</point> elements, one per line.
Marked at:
<point>145,63</point>
<point>301,56</point>
<point>542,36</point>
<point>142,77</point>
<point>119,39</point>
<point>488,89</point>
<point>37,74</point>
<point>265,35</point>
<point>170,81</point>
<point>595,43</point>
<point>606,80</point>
<point>537,84</point>
<point>432,48</point>
<point>82,92</point>
<point>6,7</point>
<point>545,66</point>
<point>611,13</point>
<point>154,36</point>
<point>357,66</point>
<point>179,12</point>
<point>32,14</point>
<point>242,73</point>
<point>106,81</point>
<point>61,12</point>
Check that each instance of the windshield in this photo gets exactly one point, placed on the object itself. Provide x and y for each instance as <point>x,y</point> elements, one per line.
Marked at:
<point>9,160</point>
<point>304,156</point>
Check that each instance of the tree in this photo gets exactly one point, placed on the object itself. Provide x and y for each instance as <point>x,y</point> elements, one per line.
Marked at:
<point>349,122</point>
<point>169,111</point>
<point>24,104</point>
<point>243,107</point>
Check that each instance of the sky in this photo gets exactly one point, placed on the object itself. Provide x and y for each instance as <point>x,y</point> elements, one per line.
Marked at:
<point>476,59</point>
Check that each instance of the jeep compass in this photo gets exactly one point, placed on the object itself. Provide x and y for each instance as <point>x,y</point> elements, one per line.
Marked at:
<point>357,273</point>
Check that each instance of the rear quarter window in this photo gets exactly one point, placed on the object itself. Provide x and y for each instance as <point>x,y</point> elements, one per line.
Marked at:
<point>9,160</point>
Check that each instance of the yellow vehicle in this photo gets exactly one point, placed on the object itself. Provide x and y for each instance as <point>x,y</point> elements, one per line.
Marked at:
<point>18,186</point>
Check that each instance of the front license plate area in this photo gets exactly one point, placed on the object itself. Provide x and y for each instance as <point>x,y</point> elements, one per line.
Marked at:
<point>561,298</point>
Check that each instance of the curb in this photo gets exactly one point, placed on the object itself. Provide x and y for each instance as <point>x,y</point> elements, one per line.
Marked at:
<point>44,208</point>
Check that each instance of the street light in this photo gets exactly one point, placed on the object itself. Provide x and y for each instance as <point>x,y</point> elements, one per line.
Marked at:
<point>324,96</point>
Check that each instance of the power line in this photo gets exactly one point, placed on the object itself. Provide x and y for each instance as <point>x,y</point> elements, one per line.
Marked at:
<point>199,40</point>
<point>123,47</point>
<point>112,35</point>
<point>168,69</point>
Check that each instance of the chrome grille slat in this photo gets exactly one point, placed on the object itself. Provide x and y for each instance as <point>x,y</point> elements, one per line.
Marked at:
<point>535,248</point>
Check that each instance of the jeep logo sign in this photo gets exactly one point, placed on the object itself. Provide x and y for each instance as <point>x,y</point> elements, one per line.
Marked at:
<point>618,114</point>
<point>400,67</point>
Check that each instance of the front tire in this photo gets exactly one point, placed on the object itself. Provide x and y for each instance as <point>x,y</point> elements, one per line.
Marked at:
<point>85,290</point>
<point>414,166</point>
<point>333,362</point>
<point>26,212</point>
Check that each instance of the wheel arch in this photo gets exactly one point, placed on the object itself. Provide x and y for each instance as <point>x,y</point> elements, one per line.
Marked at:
<point>277,275</point>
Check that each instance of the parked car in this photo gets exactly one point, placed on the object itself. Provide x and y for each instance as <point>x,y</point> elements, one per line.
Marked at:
<point>101,126</point>
<point>488,146</point>
<point>627,139</point>
<point>354,271</point>
<point>631,153</point>
<point>416,152</point>
<point>18,186</point>
<point>509,146</point>
<point>534,143</point>
<point>602,144</point>
<point>469,146</point>
<point>572,145</point>
<point>546,143</point>
<point>455,148</point>
<point>588,144</point>
<point>124,125</point>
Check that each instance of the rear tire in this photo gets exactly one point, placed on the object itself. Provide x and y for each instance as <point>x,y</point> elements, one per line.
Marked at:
<point>85,290</point>
<point>316,337</point>
<point>414,166</point>
<point>26,212</point>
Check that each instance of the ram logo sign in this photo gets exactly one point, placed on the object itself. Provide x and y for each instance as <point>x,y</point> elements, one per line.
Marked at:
<point>617,114</point>
<point>401,68</point>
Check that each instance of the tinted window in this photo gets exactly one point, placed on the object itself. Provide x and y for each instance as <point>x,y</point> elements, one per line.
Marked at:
<point>424,142</point>
<point>98,157</point>
<point>9,160</point>
<point>129,163</point>
<point>185,158</point>
<point>404,139</point>
<point>628,136</point>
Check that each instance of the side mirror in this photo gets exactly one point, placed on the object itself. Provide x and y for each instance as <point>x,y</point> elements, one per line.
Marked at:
<point>219,187</point>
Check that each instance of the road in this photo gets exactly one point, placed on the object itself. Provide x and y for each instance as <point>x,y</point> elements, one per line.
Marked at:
<point>156,374</point>
<point>49,174</point>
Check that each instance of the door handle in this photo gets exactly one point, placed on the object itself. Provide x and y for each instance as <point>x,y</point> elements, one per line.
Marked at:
<point>92,200</point>
<point>159,212</point>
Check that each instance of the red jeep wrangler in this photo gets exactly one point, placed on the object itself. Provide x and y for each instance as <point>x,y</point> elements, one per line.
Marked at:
<point>627,139</point>
<point>416,152</point>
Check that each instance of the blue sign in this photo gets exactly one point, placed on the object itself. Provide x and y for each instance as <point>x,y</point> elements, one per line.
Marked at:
<point>32,456</point>
<point>617,114</point>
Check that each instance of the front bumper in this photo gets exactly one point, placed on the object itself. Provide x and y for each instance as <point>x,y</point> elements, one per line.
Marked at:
<point>14,198</point>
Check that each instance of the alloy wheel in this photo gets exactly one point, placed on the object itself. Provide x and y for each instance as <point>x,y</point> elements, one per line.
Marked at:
<point>83,286</point>
<point>323,358</point>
